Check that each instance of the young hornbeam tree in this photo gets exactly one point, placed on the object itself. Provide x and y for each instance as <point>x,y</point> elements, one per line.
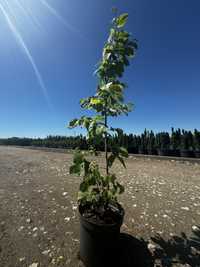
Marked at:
<point>97,189</point>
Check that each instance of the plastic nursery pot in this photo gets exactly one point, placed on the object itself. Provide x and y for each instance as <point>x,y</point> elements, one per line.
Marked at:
<point>187,153</point>
<point>99,242</point>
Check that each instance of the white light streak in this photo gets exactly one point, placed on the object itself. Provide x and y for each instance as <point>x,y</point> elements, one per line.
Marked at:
<point>12,17</point>
<point>22,44</point>
<point>60,18</point>
<point>28,14</point>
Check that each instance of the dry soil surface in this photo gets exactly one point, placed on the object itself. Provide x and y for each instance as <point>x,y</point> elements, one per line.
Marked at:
<point>39,224</point>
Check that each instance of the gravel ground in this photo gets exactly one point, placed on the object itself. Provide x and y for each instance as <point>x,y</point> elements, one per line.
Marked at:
<point>39,224</point>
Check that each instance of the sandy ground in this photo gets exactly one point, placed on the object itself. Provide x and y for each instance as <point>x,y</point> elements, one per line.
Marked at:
<point>39,224</point>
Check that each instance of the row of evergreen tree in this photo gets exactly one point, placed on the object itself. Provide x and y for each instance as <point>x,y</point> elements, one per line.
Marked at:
<point>177,143</point>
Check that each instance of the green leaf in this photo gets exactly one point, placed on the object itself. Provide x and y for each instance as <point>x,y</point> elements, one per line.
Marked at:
<point>122,161</point>
<point>95,101</point>
<point>129,51</point>
<point>123,152</point>
<point>83,186</point>
<point>111,178</point>
<point>82,196</point>
<point>120,188</point>
<point>73,123</point>
<point>75,169</point>
<point>100,130</point>
<point>86,167</point>
<point>99,118</point>
<point>116,87</point>
<point>111,160</point>
<point>121,20</point>
<point>78,157</point>
<point>86,123</point>
<point>133,44</point>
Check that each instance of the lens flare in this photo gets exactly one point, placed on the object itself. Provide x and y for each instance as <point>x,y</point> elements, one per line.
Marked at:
<point>28,14</point>
<point>60,18</point>
<point>22,44</point>
<point>11,15</point>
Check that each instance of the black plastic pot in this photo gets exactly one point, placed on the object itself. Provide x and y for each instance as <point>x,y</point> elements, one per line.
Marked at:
<point>197,154</point>
<point>187,153</point>
<point>99,242</point>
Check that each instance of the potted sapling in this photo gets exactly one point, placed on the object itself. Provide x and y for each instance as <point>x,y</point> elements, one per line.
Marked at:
<point>101,215</point>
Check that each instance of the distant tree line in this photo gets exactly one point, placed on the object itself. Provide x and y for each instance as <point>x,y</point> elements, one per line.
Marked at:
<point>67,142</point>
<point>177,143</point>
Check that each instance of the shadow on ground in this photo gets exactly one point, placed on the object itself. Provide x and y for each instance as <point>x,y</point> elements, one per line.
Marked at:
<point>129,252</point>
<point>176,251</point>
<point>133,252</point>
<point>181,249</point>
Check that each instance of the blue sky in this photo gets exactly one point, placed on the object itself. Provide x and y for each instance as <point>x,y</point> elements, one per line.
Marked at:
<point>41,87</point>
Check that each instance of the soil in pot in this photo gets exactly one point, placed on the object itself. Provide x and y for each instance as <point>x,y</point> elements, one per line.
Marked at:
<point>99,236</point>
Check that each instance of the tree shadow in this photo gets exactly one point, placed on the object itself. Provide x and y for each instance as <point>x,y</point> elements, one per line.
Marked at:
<point>181,249</point>
<point>175,251</point>
<point>127,252</point>
<point>178,249</point>
<point>133,252</point>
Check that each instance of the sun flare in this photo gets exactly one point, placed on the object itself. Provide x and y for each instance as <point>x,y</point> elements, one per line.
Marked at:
<point>13,12</point>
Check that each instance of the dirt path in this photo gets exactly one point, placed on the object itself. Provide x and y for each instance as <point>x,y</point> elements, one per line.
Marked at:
<point>38,212</point>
